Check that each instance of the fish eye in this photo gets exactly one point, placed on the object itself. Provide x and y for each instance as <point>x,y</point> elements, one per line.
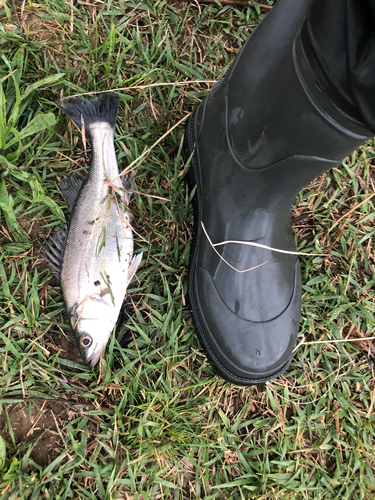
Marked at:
<point>85,341</point>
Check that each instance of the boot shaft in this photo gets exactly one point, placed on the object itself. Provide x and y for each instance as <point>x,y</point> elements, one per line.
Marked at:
<point>271,106</point>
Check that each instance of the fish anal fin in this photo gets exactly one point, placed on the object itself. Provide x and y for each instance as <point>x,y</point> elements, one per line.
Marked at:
<point>53,250</point>
<point>70,187</point>
<point>128,184</point>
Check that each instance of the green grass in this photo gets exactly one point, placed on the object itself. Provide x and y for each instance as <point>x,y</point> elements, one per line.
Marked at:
<point>153,422</point>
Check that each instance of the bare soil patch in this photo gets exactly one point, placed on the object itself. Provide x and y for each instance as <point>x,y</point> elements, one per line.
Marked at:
<point>38,422</point>
<point>38,29</point>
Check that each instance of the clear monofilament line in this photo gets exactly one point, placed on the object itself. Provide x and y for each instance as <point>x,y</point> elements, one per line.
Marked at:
<point>258,245</point>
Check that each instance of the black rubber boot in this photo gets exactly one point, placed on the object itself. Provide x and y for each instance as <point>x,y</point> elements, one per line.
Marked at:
<point>261,135</point>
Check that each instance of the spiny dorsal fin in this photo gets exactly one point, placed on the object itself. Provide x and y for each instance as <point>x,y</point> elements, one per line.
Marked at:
<point>53,249</point>
<point>70,187</point>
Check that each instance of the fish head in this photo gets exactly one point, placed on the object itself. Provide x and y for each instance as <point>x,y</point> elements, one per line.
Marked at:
<point>92,329</point>
<point>91,344</point>
<point>92,337</point>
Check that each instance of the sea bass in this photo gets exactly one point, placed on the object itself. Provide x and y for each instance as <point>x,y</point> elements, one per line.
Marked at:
<point>93,254</point>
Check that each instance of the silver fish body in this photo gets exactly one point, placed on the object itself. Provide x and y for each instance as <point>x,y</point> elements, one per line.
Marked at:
<point>97,263</point>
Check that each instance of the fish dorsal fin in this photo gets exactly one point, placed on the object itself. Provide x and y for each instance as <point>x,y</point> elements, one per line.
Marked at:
<point>70,187</point>
<point>53,250</point>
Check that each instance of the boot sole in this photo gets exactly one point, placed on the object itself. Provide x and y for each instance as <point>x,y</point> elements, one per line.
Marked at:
<point>194,179</point>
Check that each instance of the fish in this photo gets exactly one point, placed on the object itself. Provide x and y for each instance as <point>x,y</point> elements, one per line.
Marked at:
<point>92,254</point>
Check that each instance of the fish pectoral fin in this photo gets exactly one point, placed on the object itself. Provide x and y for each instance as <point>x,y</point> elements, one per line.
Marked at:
<point>53,249</point>
<point>134,266</point>
<point>71,186</point>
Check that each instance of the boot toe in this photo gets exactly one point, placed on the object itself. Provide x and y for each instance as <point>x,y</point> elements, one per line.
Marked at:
<point>243,352</point>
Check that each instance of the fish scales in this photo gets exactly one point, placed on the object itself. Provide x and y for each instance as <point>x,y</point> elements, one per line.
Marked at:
<point>98,226</point>
<point>97,263</point>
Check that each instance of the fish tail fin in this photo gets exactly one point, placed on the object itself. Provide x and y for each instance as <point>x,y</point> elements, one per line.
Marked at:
<point>100,108</point>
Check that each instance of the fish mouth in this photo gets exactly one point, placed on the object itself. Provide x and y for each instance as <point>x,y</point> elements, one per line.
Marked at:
<point>93,359</point>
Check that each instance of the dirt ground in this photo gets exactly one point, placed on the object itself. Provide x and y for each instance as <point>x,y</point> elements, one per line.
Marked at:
<point>38,421</point>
